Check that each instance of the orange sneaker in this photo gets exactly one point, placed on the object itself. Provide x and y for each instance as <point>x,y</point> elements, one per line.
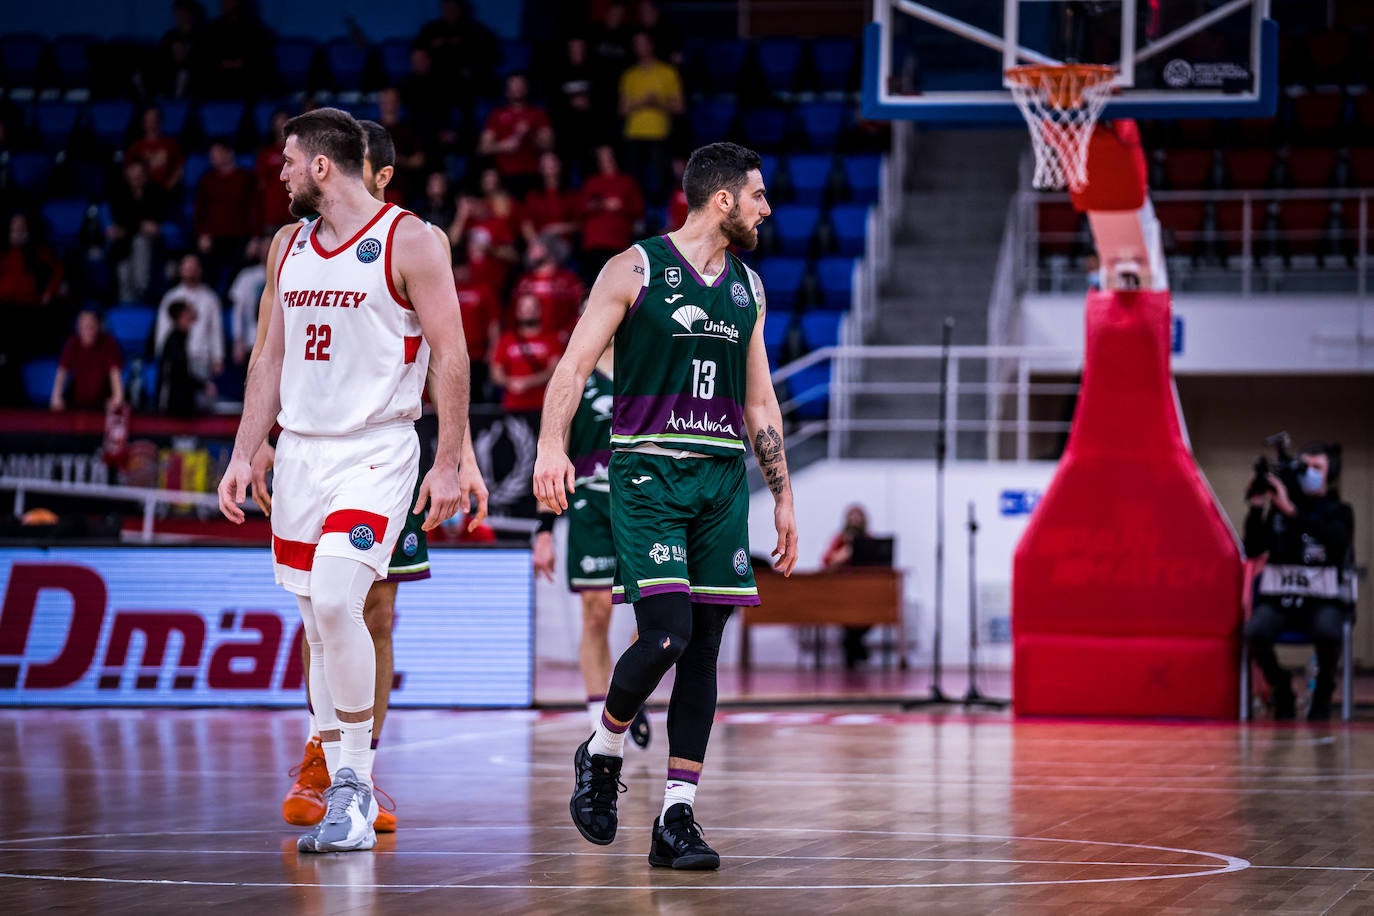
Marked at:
<point>386,811</point>
<point>303,805</point>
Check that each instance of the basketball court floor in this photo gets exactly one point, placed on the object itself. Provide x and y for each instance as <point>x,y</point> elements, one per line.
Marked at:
<point>814,809</point>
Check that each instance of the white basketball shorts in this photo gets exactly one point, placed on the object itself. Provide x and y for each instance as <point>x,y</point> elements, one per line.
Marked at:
<point>340,496</point>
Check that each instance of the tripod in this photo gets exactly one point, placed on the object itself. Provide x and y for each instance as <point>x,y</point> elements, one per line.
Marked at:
<point>973,697</point>
<point>937,695</point>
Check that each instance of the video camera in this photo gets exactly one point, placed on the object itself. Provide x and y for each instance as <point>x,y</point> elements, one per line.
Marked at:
<point>1283,466</point>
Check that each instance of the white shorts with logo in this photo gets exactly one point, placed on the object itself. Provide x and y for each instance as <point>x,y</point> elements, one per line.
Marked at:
<point>343,496</point>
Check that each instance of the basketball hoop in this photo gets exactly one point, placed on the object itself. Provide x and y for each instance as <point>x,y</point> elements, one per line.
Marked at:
<point>1061,103</point>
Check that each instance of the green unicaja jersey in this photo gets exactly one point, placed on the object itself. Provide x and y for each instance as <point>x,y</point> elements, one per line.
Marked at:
<point>681,355</point>
<point>589,437</point>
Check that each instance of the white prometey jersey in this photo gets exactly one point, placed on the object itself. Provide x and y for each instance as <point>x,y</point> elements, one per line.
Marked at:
<point>355,357</point>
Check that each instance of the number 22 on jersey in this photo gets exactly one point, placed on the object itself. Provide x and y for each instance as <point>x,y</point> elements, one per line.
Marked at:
<point>317,341</point>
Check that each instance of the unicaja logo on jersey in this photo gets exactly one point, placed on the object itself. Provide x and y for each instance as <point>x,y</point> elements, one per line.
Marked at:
<point>362,537</point>
<point>369,250</point>
<point>689,315</point>
<point>738,294</point>
<point>411,544</point>
<point>741,562</point>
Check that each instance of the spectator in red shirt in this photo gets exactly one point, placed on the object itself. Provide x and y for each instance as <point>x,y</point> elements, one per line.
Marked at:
<point>612,206</point>
<point>557,288</point>
<point>30,274</point>
<point>524,360</point>
<point>551,209</point>
<point>481,324</point>
<point>515,134</point>
<point>274,205</point>
<point>492,211</point>
<point>487,269</point>
<point>223,217</point>
<point>160,153</point>
<point>91,362</point>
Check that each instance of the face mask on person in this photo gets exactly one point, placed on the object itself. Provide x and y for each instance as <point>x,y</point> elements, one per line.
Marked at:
<point>1312,481</point>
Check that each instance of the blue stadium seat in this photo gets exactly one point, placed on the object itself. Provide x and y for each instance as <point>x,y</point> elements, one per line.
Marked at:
<point>262,115</point>
<point>861,176</point>
<point>65,219</point>
<point>109,120</point>
<point>395,57</point>
<point>515,57</point>
<point>197,164</point>
<point>54,122</point>
<point>21,53</point>
<point>795,227</point>
<point>782,282</point>
<point>833,60</point>
<point>148,380</point>
<point>850,224</point>
<point>347,60</point>
<point>764,128</point>
<point>294,55</point>
<point>821,122</point>
<point>713,121</point>
<point>174,236</point>
<point>821,329</point>
<point>717,61</point>
<point>130,323</point>
<point>220,120</point>
<point>71,55</point>
<point>769,168</point>
<point>775,328</point>
<point>810,174</point>
<point>778,60</point>
<point>812,386</point>
<point>86,179</point>
<point>28,173</point>
<point>39,375</point>
<point>174,115</point>
<point>835,276</point>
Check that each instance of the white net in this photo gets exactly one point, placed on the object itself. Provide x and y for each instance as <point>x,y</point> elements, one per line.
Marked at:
<point>1061,104</point>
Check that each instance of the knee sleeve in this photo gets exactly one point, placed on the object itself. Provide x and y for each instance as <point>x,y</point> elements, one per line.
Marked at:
<point>665,631</point>
<point>338,591</point>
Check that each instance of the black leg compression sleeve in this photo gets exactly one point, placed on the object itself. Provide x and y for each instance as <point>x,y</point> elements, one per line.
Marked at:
<point>693,706</point>
<point>665,630</point>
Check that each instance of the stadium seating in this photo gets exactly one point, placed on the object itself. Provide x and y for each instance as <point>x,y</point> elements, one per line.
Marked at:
<point>28,173</point>
<point>347,60</point>
<point>849,223</point>
<point>130,323</point>
<point>295,56</point>
<point>782,282</point>
<point>809,176</point>
<point>861,175</point>
<point>811,388</point>
<point>835,280</point>
<point>395,58</point>
<point>712,121</point>
<point>71,56</point>
<point>39,375</point>
<point>794,227</point>
<point>109,121</point>
<point>779,60</point>
<point>764,128</point>
<point>833,60</point>
<point>21,55</point>
<point>775,331</point>
<point>65,219</point>
<point>220,120</point>
<point>54,121</point>
<point>821,329</point>
<point>821,122</point>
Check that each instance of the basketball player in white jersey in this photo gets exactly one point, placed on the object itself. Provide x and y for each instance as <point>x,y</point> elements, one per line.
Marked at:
<point>303,804</point>
<point>365,301</point>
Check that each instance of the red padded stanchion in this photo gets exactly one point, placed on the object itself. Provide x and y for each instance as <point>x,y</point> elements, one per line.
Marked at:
<point>1127,582</point>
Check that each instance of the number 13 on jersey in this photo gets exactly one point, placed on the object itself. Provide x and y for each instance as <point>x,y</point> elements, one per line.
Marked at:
<point>703,378</point>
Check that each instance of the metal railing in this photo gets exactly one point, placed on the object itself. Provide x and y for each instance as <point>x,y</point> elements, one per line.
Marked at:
<point>1250,251</point>
<point>1017,390</point>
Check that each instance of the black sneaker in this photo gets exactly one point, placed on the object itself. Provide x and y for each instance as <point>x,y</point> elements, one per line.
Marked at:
<point>639,729</point>
<point>678,844</point>
<point>596,784</point>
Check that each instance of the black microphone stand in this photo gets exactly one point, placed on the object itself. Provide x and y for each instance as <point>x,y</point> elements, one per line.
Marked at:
<point>973,697</point>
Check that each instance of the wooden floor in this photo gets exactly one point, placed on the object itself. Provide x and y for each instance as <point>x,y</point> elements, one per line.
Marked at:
<point>861,810</point>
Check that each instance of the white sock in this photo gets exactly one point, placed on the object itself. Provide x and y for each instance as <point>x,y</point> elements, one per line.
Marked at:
<point>606,740</point>
<point>594,705</point>
<point>355,750</point>
<point>314,725</point>
<point>678,792</point>
<point>331,757</point>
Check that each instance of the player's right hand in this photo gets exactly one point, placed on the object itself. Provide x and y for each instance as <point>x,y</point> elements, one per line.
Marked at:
<point>543,555</point>
<point>553,480</point>
<point>262,463</point>
<point>233,489</point>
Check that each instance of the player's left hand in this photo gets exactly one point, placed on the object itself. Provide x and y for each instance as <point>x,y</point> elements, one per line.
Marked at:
<point>472,487</point>
<point>785,554</point>
<point>440,491</point>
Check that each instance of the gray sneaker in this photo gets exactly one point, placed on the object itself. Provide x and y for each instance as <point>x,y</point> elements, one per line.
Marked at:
<point>349,813</point>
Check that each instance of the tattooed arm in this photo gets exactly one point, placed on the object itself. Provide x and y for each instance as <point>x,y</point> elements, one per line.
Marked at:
<point>763,420</point>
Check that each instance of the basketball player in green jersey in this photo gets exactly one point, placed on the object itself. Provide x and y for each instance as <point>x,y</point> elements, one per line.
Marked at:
<point>691,380</point>
<point>591,549</point>
<point>304,801</point>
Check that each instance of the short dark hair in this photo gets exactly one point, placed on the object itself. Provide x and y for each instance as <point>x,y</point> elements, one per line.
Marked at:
<point>1332,451</point>
<point>716,166</point>
<point>381,149</point>
<point>331,133</point>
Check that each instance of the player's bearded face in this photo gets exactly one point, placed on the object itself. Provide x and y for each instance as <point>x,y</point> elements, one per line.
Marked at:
<point>738,231</point>
<point>306,198</point>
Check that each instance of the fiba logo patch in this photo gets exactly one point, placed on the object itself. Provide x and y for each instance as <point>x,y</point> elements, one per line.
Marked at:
<point>741,562</point>
<point>369,250</point>
<point>410,545</point>
<point>362,537</point>
<point>739,295</point>
<point>1178,73</point>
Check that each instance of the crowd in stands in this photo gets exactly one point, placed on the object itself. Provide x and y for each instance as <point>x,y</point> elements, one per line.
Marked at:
<point>147,195</point>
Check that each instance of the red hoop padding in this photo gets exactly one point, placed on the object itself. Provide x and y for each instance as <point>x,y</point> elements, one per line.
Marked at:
<point>1117,176</point>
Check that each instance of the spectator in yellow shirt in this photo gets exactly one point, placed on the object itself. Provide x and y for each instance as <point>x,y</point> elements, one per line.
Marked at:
<point>650,96</point>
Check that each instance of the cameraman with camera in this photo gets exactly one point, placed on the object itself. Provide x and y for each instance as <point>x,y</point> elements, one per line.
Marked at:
<point>1296,517</point>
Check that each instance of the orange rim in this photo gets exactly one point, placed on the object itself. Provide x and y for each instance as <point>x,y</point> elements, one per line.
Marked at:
<point>1063,84</point>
